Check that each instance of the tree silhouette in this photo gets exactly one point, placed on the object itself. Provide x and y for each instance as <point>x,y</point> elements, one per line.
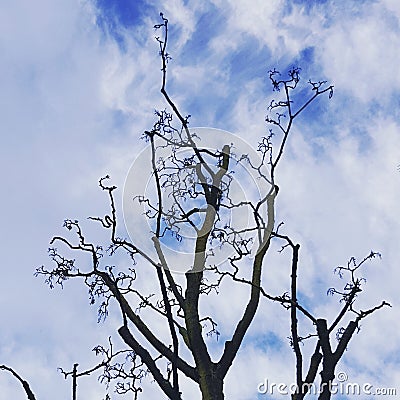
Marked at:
<point>193,190</point>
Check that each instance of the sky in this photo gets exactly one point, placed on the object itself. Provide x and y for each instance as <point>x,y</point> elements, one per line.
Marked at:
<point>79,84</point>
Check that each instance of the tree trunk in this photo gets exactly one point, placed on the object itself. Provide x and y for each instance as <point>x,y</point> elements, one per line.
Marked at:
<point>211,385</point>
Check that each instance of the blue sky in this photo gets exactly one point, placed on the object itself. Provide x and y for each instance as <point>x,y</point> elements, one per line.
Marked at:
<point>80,82</point>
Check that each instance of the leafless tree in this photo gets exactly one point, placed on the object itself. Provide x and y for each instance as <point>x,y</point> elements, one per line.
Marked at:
<point>193,189</point>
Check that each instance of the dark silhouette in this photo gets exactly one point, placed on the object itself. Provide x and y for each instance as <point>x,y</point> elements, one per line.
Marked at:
<point>194,190</point>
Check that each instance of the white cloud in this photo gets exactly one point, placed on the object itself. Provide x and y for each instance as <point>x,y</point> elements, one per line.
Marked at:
<point>359,52</point>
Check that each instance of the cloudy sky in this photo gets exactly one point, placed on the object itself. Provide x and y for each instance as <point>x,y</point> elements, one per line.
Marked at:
<point>79,83</point>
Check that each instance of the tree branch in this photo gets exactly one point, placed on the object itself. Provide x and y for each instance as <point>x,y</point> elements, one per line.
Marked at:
<point>24,383</point>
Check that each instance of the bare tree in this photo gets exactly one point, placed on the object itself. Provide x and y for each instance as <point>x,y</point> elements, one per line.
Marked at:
<point>193,190</point>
